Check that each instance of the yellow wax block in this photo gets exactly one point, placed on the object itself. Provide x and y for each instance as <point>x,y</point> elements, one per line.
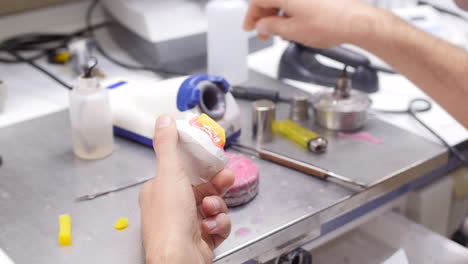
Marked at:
<point>121,224</point>
<point>64,237</point>
<point>205,120</point>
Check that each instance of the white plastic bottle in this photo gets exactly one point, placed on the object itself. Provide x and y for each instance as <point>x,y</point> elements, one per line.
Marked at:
<point>91,119</point>
<point>227,41</point>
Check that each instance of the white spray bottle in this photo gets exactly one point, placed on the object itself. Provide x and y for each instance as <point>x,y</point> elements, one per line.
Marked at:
<point>91,118</point>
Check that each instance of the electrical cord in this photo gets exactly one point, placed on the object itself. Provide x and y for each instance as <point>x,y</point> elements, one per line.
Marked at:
<point>105,54</point>
<point>41,43</point>
<point>31,42</point>
<point>40,68</point>
<point>414,107</point>
<point>38,45</point>
<point>443,10</point>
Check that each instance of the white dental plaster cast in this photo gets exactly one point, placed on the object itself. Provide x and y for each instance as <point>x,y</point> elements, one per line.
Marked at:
<point>202,158</point>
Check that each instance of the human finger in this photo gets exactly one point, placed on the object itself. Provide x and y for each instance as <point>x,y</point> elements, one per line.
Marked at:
<point>274,25</point>
<point>213,205</point>
<point>165,141</point>
<point>219,185</point>
<point>256,13</point>
<point>219,227</point>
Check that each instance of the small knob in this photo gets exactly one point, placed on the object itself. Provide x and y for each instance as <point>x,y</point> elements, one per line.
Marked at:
<point>343,85</point>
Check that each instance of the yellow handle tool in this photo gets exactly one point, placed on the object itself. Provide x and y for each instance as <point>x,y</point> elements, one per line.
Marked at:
<point>301,135</point>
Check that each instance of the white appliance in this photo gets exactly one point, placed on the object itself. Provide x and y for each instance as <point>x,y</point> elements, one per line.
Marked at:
<point>136,104</point>
<point>169,34</point>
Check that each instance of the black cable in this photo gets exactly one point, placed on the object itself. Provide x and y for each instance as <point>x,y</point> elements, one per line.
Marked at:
<point>413,110</point>
<point>40,43</point>
<point>32,63</point>
<point>443,10</point>
<point>14,60</point>
<point>427,106</point>
<point>100,49</point>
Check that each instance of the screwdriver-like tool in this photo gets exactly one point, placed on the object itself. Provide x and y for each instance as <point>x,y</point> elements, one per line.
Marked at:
<point>297,165</point>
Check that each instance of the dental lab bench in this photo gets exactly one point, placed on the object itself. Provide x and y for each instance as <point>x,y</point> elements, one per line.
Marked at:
<point>408,171</point>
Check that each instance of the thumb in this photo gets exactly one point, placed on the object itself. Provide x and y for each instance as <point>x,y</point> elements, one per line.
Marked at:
<point>165,140</point>
<point>273,25</point>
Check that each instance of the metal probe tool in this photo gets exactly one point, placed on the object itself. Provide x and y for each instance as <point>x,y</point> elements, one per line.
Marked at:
<point>93,196</point>
<point>298,165</point>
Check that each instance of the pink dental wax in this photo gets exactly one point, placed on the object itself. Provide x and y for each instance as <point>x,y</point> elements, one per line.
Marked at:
<point>245,186</point>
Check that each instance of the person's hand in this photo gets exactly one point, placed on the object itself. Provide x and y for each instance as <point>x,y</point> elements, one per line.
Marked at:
<point>463,4</point>
<point>181,223</point>
<point>318,23</point>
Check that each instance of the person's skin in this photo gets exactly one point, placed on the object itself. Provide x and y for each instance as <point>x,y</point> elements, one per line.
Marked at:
<point>180,223</point>
<point>183,224</point>
<point>437,67</point>
<point>463,4</point>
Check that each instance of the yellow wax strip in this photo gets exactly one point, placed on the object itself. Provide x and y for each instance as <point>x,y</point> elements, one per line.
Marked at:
<point>65,237</point>
<point>121,224</point>
<point>205,120</point>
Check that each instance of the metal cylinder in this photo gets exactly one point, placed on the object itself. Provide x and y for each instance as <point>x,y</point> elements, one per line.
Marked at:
<point>263,116</point>
<point>343,121</point>
<point>342,114</point>
<point>299,108</point>
<point>318,145</point>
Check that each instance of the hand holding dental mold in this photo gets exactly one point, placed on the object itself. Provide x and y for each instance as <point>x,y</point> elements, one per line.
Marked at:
<point>182,223</point>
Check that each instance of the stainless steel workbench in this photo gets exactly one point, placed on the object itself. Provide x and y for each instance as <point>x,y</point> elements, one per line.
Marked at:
<point>40,179</point>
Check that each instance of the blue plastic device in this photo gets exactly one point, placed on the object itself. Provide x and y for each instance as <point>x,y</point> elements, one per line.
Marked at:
<point>189,92</point>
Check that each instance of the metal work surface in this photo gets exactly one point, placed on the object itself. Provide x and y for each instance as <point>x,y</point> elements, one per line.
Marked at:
<point>40,179</point>
<point>385,235</point>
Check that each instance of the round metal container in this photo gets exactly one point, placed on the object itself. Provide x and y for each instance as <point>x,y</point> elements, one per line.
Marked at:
<point>341,114</point>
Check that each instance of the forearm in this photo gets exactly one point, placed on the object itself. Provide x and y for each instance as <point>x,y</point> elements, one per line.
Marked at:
<point>437,67</point>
